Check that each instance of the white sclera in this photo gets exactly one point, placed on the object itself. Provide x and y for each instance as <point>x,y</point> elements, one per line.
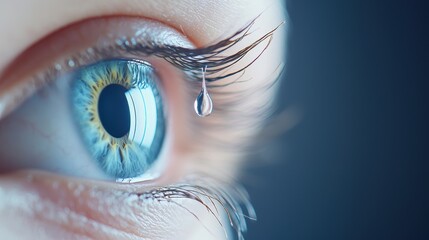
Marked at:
<point>143,116</point>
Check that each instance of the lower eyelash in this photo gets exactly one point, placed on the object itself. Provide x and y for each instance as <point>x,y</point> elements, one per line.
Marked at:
<point>209,191</point>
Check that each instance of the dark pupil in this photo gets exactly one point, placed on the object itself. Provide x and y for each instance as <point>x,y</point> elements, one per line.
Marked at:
<point>113,110</point>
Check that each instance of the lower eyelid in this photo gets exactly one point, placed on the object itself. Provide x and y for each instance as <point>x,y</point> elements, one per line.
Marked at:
<point>101,210</point>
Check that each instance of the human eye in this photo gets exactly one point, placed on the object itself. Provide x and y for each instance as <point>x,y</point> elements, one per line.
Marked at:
<point>103,108</point>
<point>103,99</point>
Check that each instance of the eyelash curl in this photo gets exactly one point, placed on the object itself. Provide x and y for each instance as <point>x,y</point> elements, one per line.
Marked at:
<point>209,58</point>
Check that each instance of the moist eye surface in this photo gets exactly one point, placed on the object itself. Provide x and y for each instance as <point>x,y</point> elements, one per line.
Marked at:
<point>119,111</point>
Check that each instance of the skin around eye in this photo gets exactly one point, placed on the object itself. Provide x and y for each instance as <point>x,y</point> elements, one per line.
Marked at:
<point>54,206</point>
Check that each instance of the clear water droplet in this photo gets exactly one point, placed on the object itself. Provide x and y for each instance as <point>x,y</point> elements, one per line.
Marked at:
<point>203,104</point>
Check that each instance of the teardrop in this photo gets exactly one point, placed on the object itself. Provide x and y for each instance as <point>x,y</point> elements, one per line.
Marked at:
<point>203,104</point>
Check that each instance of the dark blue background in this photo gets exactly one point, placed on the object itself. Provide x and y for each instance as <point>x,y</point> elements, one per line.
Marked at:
<point>356,165</point>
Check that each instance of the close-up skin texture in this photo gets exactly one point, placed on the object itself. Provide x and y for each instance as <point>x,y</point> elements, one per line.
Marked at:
<point>65,175</point>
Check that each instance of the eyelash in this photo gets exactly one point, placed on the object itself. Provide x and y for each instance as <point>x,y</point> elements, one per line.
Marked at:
<point>193,60</point>
<point>232,198</point>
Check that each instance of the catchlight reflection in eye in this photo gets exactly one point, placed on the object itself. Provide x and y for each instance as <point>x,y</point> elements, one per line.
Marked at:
<point>119,111</point>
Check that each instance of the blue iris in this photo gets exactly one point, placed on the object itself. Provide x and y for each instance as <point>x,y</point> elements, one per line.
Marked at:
<point>119,111</point>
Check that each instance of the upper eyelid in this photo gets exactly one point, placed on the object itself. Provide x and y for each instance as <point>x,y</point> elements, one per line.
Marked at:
<point>190,60</point>
<point>186,58</point>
